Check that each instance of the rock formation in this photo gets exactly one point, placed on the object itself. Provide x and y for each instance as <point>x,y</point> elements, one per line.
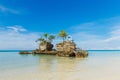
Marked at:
<point>66,46</point>
<point>68,49</point>
<point>46,47</point>
<point>65,49</point>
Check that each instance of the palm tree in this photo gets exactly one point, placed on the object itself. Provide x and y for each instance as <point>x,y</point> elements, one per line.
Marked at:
<point>46,36</point>
<point>41,40</point>
<point>51,37</point>
<point>63,35</point>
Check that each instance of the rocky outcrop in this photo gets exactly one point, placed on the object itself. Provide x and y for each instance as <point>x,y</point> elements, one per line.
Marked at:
<point>49,46</point>
<point>25,52</point>
<point>68,49</point>
<point>65,49</point>
<point>82,54</point>
<point>46,47</point>
<point>37,51</point>
<point>66,46</point>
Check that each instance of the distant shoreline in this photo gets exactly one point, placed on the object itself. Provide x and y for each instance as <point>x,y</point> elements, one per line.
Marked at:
<point>14,50</point>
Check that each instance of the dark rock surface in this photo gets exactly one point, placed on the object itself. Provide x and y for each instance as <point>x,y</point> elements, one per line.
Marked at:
<point>81,53</point>
<point>49,46</point>
<point>25,52</point>
<point>73,54</point>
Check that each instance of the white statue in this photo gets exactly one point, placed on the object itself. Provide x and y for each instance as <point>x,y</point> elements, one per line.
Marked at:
<point>69,38</point>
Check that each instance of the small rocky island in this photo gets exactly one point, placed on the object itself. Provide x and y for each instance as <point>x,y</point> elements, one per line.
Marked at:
<point>66,48</point>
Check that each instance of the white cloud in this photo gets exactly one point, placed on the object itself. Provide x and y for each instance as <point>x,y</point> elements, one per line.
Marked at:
<point>17,28</point>
<point>8,10</point>
<point>15,39</point>
<point>109,39</point>
<point>84,26</point>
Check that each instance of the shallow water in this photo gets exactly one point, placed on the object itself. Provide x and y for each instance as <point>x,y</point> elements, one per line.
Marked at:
<point>99,65</point>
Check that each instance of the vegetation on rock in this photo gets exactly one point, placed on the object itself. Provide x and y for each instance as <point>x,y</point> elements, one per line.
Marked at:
<point>63,34</point>
<point>46,42</point>
<point>67,48</point>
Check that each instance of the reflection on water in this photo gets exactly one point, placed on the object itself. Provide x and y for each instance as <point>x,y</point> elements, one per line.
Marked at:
<point>98,66</point>
<point>54,63</point>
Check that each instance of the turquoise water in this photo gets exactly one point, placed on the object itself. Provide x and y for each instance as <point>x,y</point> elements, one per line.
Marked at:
<point>99,65</point>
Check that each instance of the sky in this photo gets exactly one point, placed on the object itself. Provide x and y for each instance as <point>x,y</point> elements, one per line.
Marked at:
<point>93,24</point>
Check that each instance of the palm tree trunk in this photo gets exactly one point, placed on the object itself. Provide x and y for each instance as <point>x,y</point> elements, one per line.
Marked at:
<point>63,43</point>
<point>39,46</point>
<point>46,39</point>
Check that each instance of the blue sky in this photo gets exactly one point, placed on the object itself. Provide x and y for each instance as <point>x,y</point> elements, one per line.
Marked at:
<point>93,24</point>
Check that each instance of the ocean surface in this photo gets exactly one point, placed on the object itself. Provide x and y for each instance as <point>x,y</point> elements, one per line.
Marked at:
<point>99,65</point>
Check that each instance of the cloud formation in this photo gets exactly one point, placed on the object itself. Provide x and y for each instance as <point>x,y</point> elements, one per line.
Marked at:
<point>97,35</point>
<point>17,28</point>
<point>12,37</point>
<point>4,9</point>
<point>103,34</point>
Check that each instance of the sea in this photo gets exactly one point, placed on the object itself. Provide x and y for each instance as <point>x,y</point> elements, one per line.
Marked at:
<point>99,65</point>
